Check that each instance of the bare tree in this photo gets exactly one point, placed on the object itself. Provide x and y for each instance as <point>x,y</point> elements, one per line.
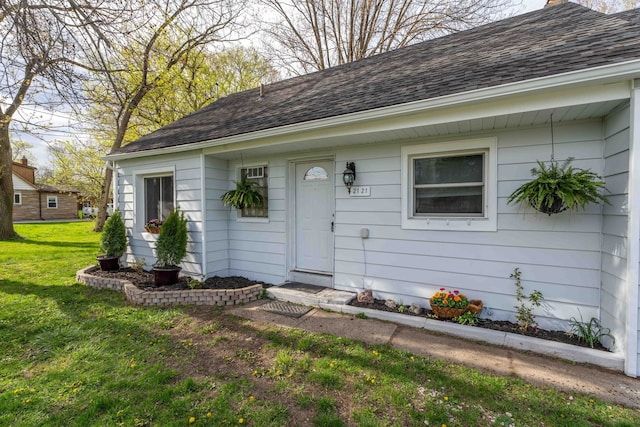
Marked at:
<point>156,43</point>
<point>313,35</point>
<point>40,43</point>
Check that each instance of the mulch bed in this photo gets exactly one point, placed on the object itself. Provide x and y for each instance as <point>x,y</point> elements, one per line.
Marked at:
<point>498,325</point>
<point>144,280</point>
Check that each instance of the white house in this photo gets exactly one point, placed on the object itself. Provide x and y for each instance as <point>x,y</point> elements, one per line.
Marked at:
<point>486,101</point>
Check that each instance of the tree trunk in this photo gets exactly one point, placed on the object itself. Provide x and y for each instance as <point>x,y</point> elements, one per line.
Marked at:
<point>6,184</point>
<point>104,200</point>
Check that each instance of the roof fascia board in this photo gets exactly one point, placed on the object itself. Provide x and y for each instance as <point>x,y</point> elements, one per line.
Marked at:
<point>602,75</point>
<point>477,110</point>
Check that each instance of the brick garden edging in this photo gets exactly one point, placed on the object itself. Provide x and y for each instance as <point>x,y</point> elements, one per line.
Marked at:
<point>165,298</point>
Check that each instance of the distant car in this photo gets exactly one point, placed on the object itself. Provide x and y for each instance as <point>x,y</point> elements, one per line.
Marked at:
<point>92,212</point>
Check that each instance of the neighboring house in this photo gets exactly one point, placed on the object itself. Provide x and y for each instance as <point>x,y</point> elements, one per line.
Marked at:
<point>33,201</point>
<point>483,98</point>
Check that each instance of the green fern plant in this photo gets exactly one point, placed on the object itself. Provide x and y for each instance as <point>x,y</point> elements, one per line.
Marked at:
<point>243,196</point>
<point>556,188</point>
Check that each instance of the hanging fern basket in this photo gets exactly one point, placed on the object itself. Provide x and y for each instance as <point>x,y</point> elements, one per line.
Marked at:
<point>557,188</point>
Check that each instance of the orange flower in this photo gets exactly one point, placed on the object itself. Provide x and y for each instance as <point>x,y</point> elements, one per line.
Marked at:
<point>456,298</point>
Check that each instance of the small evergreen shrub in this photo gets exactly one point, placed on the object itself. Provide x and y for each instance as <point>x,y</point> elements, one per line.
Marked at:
<point>172,240</point>
<point>113,241</point>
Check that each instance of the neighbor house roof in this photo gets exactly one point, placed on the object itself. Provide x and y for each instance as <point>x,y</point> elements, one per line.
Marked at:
<point>547,42</point>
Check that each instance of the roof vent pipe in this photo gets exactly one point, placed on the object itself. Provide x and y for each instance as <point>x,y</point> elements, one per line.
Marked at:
<point>554,3</point>
<point>261,90</point>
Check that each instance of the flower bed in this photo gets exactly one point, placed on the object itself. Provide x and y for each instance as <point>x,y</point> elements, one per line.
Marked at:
<point>148,297</point>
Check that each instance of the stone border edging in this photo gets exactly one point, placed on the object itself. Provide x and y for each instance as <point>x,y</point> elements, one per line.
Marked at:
<point>506,339</point>
<point>166,298</point>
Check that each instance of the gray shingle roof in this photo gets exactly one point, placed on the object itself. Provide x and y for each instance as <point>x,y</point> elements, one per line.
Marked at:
<point>549,41</point>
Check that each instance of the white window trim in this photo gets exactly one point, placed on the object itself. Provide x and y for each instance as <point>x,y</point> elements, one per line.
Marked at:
<point>19,194</point>
<point>238,212</point>
<point>54,198</point>
<point>138,193</point>
<point>488,222</point>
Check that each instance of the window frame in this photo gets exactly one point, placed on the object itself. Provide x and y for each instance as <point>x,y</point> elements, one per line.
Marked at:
<point>160,199</point>
<point>17,195</point>
<point>139,189</point>
<point>487,221</point>
<point>241,214</point>
<point>55,200</point>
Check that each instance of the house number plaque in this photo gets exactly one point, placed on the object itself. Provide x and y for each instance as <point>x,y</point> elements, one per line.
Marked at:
<point>360,191</point>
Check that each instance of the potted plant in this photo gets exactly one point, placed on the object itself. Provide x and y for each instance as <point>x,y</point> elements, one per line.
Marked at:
<point>449,304</point>
<point>170,249</point>
<point>153,226</point>
<point>245,195</point>
<point>556,188</point>
<point>113,242</point>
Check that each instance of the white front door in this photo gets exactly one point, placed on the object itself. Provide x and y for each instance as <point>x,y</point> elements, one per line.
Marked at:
<point>314,216</point>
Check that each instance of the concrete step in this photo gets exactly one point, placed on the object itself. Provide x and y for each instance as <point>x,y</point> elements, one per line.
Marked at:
<point>325,296</point>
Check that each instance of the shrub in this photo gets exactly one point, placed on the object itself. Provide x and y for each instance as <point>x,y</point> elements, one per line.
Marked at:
<point>524,312</point>
<point>172,240</point>
<point>113,241</point>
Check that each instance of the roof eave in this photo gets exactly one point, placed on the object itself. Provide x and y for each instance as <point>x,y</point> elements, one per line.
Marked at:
<point>604,74</point>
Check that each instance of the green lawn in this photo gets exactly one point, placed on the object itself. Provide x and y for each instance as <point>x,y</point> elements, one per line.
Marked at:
<point>72,355</point>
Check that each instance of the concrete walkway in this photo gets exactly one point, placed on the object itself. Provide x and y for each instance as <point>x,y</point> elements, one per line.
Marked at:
<point>536,369</point>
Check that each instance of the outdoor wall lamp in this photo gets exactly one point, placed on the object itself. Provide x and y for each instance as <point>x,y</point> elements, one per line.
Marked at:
<point>349,175</point>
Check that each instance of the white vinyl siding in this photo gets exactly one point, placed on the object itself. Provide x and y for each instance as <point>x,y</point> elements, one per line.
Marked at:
<point>21,184</point>
<point>257,245</point>
<point>558,255</point>
<point>217,227</point>
<point>185,168</point>
<point>614,226</point>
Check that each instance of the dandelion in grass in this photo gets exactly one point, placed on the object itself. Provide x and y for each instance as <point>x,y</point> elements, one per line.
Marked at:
<point>209,414</point>
<point>252,399</point>
<point>446,398</point>
<point>240,420</point>
<point>192,420</point>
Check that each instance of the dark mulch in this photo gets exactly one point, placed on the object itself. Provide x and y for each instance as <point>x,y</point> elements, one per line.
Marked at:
<point>144,280</point>
<point>498,325</point>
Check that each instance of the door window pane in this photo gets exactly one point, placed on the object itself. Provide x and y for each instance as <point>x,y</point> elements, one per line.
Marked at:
<point>316,174</point>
